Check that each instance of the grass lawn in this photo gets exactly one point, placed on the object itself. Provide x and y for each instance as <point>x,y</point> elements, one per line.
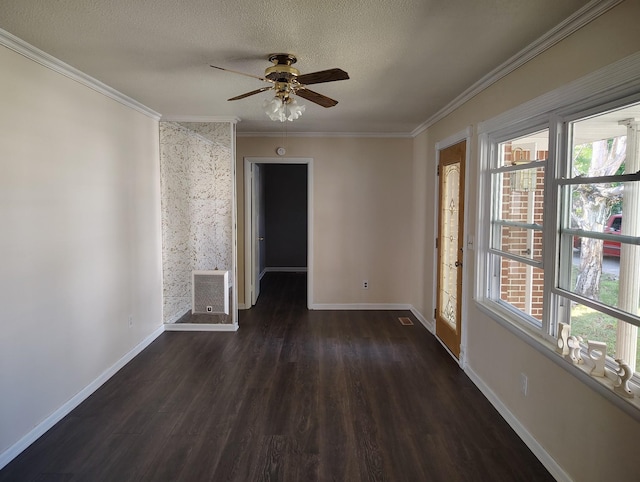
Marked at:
<point>593,325</point>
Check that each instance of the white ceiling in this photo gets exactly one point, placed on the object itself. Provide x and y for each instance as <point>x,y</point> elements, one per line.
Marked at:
<point>407,59</point>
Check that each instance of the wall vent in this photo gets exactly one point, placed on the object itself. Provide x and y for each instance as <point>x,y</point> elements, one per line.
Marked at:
<point>210,292</point>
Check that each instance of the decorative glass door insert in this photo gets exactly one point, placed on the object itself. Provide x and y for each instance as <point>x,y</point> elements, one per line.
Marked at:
<point>449,243</point>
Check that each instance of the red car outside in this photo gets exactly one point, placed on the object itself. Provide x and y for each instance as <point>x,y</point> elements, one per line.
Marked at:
<point>609,248</point>
<point>614,226</point>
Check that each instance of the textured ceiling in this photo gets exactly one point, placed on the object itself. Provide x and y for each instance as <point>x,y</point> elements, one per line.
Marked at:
<point>407,59</point>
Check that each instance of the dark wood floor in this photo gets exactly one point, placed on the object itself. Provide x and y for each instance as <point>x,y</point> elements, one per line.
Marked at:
<point>292,396</point>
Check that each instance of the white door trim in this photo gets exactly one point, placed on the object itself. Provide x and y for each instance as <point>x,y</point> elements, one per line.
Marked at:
<point>248,229</point>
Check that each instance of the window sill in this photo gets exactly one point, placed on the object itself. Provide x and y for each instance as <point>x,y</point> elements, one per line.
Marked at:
<point>603,385</point>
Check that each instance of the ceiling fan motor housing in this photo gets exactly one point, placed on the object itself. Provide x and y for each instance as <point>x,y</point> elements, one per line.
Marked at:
<point>282,70</point>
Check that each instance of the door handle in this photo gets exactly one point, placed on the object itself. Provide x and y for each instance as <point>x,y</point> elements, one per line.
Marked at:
<point>260,238</point>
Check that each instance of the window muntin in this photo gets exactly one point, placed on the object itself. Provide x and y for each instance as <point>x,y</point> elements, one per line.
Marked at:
<point>607,284</point>
<point>533,147</point>
<point>521,242</point>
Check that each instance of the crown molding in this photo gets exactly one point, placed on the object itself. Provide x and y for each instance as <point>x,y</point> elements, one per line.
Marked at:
<point>619,79</point>
<point>579,19</point>
<point>21,47</point>
<point>399,135</point>
<point>192,118</point>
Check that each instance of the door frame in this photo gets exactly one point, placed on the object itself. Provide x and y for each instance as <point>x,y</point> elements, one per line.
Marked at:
<point>464,135</point>
<point>249,277</point>
<point>257,186</point>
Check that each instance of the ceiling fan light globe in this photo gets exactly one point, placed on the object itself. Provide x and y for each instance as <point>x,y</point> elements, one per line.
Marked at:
<point>274,116</point>
<point>280,110</point>
<point>295,111</point>
<point>271,106</point>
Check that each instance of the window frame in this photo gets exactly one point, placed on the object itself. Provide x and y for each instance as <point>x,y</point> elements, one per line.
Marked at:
<point>489,152</point>
<point>495,255</point>
<point>565,117</point>
<point>557,120</point>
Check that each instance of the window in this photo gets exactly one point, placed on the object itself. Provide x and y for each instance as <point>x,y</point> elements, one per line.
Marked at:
<point>517,219</point>
<point>599,186</point>
<point>560,225</point>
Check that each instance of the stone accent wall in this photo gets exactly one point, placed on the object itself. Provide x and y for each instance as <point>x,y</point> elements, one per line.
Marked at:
<point>196,168</point>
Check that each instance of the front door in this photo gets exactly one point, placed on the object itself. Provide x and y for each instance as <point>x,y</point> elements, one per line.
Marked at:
<point>450,243</point>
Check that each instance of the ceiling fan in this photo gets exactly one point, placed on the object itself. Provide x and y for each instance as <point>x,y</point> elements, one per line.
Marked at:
<point>286,81</point>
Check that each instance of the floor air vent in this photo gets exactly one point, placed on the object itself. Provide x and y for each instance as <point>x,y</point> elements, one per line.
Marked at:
<point>210,292</point>
<point>405,321</point>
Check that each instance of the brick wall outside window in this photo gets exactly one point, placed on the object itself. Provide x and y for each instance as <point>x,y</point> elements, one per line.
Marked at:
<point>517,278</point>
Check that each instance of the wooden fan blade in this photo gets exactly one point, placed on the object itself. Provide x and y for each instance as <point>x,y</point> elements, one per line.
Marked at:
<point>330,75</point>
<point>242,73</point>
<point>253,92</point>
<point>316,98</point>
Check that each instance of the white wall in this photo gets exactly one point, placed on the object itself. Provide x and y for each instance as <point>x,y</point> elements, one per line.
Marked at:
<point>588,437</point>
<point>80,239</point>
<point>361,215</point>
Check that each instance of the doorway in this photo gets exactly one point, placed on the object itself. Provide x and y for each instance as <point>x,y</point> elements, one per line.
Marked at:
<point>256,169</point>
<point>451,177</point>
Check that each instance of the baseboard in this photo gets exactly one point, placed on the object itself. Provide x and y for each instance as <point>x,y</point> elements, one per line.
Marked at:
<point>359,306</point>
<point>543,456</point>
<point>17,448</point>
<point>201,327</point>
<point>429,325</point>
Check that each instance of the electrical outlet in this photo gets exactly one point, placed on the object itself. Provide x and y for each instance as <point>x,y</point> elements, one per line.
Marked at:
<point>130,320</point>
<point>365,284</point>
<point>209,309</point>
<point>524,384</point>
